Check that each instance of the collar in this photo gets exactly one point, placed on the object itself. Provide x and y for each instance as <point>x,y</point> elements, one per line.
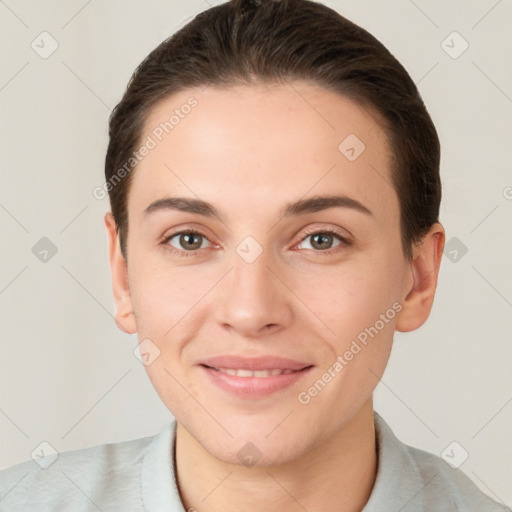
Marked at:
<point>158,474</point>
<point>398,484</point>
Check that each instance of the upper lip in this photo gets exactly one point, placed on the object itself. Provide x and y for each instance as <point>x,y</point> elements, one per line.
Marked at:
<point>254,363</point>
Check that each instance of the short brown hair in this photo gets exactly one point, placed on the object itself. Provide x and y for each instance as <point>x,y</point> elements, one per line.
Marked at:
<point>278,41</point>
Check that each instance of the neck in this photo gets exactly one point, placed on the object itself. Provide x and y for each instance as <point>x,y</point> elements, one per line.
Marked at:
<point>338,474</point>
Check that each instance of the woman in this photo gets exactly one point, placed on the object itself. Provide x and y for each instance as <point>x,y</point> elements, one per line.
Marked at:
<point>274,184</point>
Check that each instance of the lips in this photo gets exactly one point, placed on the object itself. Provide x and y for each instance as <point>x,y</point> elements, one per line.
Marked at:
<point>253,364</point>
<point>253,378</point>
<point>256,373</point>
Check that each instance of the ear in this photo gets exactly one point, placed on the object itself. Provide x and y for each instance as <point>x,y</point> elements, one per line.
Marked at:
<point>424,267</point>
<point>124,317</point>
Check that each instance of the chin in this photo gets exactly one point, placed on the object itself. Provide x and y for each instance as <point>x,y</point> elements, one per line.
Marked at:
<point>255,454</point>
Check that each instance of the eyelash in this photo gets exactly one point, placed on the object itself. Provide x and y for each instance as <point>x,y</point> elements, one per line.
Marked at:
<point>187,254</point>
<point>345,242</point>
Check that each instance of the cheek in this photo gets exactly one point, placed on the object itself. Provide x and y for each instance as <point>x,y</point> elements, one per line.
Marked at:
<point>350,298</point>
<point>160,298</point>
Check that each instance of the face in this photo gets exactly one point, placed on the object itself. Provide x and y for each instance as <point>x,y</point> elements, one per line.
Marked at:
<point>251,266</point>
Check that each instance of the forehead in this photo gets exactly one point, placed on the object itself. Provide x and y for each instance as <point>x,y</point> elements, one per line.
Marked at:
<point>266,141</point>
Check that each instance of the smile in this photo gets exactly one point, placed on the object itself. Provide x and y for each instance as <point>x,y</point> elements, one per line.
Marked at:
<point>253,384</point>
<point>256,373</point>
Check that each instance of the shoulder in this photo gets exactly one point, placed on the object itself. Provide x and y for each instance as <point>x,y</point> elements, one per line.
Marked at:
<point>421,481</point>
<point>440,479</point>
<point>76,479</point>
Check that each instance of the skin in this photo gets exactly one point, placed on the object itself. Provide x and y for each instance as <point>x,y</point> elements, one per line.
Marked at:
<point>249,150</point>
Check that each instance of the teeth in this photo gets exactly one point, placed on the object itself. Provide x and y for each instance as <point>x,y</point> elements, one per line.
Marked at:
<point>250,373</point>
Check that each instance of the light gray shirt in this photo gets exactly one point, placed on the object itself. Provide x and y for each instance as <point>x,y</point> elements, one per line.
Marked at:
<point>139,475</point>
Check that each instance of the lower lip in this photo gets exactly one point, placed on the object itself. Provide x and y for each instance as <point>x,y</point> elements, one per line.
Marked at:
<point>253,386</point>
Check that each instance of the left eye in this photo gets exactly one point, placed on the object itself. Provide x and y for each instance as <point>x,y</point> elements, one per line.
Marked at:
<point>188,240</point>
<point>322,240</point>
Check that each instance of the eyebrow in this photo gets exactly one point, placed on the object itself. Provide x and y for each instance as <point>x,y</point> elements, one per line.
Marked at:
<point>300,207</point>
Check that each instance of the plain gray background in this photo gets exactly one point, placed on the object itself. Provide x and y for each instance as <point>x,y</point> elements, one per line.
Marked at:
<point>69,376</point>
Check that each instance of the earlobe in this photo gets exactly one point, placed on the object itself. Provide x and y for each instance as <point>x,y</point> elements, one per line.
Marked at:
<point>424,267</point>
<point>124,316</point>
<point>127,326</point>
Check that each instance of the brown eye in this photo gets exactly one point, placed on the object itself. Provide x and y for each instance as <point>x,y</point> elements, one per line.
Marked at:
<point>187,240</point>
<point>323,240</point>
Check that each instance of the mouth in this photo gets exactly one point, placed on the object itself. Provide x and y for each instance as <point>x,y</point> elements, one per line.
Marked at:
<point>256,373</point>
<point>254,378</point>
<point>261,363</point>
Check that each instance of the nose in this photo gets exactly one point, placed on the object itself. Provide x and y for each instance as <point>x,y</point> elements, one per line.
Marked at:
<point>252,300</point>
